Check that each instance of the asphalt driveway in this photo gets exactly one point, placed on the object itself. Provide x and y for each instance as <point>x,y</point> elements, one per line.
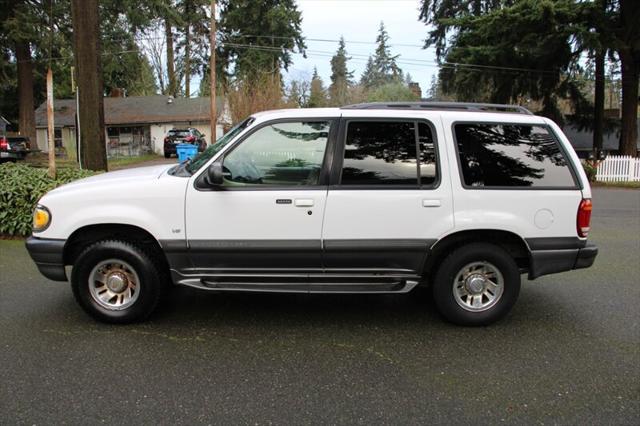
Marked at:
<point>569,353</point>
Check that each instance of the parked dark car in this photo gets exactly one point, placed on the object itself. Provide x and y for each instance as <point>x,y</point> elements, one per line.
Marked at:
<point>14,148</point>
<point>177,136</point>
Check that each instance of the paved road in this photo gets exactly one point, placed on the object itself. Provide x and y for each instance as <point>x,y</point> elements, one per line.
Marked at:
<point>569,353</point>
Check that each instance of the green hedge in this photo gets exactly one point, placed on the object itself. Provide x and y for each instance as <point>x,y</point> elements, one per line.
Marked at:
<point>21,186</point>
<point>590,170</point>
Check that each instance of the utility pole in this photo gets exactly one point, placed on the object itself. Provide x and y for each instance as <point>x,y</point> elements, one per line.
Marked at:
<point>50,131</point>
<point>212,77</point>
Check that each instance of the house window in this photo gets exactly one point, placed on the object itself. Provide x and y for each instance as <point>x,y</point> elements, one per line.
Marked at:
<point>128,141</point>
<point>57,137</point>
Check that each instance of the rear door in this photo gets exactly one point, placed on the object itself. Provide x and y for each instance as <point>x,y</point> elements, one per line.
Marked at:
<point>390,195</point>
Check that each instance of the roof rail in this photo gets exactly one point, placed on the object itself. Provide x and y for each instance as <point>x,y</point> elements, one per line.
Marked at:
<point>442,106</point>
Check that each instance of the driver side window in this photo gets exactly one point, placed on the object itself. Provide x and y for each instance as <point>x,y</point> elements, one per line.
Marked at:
<point>281,154</point>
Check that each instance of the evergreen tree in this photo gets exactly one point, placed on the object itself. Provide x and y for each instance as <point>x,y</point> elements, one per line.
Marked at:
<point>341,77</point>
<point>259,37</point>
<point>433,88</point>
<point>382,68</point>
<point>317,95</point>
<point>531,38</point>
<point>539,45</point>
<point>368,76</point>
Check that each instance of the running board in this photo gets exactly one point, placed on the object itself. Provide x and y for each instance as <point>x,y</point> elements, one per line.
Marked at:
<point>315,284</point>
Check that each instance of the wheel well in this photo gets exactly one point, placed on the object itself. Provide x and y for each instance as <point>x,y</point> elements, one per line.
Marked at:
<point>510,242</point>
<point>83,237</point>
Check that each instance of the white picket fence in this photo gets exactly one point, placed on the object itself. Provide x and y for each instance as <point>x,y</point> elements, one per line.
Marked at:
<point>619,168</point>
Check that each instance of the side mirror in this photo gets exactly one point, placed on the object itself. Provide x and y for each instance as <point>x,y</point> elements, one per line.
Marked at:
<point>214,174</point>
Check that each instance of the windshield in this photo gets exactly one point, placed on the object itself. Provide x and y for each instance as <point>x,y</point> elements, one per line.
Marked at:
<point>179,133</point>
<point>200,159</point>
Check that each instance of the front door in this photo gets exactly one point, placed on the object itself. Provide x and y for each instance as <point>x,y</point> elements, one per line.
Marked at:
<point>266,218</point>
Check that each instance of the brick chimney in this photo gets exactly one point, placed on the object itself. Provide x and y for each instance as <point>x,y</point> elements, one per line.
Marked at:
<point>117,92</point>
<point>415,88</point>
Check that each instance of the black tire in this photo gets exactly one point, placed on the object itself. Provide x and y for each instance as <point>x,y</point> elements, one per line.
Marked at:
<point>443,285</point>
<point>152,284</point>
<point>167,155</point>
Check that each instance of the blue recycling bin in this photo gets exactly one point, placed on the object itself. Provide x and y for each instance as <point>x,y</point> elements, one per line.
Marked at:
<point>186,150</point>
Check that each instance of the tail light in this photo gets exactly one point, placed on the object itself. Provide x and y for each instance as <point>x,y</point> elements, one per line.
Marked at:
<point>189,139</point>
<point>167,140</point>
<point>4,144</point>
<point>584,218</point>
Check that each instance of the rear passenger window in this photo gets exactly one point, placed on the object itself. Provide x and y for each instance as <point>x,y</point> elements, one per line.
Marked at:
<point>388,153</point>
<point>511,155</point>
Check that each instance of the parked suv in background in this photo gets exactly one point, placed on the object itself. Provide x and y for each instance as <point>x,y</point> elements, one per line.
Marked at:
<point>370,198</point>
<point>13,148</point>
<point>177,136</point>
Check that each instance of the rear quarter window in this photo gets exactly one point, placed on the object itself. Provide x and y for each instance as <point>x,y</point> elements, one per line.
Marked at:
<point>511,155</point>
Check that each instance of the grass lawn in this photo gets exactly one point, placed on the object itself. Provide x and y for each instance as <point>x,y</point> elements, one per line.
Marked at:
<point>630,185</point>
<point>41,160</point>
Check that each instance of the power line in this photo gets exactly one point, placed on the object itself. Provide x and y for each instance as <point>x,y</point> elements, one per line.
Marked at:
<point>362,58</point>
<point>438,64</point>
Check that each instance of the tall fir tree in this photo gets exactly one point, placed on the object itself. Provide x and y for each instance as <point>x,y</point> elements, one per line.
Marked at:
<point>542,42</point>
<point>382,68</point>
<point>317,95</point>
<point>259,37</point>
<point>341,77</point>
<point>368,75</point>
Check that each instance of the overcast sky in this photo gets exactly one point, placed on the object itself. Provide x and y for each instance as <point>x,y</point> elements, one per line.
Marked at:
<point>358,21</point>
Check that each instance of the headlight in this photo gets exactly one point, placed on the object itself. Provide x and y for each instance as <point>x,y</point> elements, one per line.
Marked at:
<point>41,218</point>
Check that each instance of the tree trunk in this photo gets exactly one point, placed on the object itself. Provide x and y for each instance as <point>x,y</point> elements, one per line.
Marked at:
<point>171,70</point>
<point>630,77</point>
<point>598,113</point>
<point>86,42</point>
<point>27,116</point>
<point>213,121</point>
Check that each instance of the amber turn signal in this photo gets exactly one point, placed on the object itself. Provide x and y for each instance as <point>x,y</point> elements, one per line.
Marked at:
<point>41,218</point>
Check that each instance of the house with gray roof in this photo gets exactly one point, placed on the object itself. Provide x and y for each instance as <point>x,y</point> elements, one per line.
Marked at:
<point>135,125</point>
<point>582,139</point>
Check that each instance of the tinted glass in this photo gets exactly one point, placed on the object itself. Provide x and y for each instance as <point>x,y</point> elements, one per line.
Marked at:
<point>496,155</point>
<point>380,153</point>
<point>279,154</point>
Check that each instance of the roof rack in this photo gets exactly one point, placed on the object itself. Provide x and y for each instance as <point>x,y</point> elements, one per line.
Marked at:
<point>443,106</point>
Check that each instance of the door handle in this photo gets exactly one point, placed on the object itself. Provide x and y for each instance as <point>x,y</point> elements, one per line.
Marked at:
<point>304,202</point>
<point>430,203</point>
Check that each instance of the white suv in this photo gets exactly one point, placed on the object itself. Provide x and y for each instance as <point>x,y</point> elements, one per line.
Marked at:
<point>369,198</point>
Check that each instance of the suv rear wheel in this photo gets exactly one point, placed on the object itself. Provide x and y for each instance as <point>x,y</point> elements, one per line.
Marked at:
<point>477,284</point>
<point>117,282</point>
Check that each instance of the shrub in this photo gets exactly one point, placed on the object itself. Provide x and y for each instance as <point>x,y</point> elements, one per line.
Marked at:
<point>21,186</point>
<point>391,92</point>
<point>590,170</point>
<point>248,97</point>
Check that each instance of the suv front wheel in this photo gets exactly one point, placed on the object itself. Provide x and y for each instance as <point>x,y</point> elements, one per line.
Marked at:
<point>117,282</point>
<point>477,284</point>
